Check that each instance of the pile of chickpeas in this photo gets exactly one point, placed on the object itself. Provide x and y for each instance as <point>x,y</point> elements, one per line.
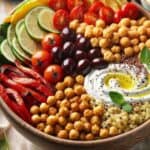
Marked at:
<point>127,38</point>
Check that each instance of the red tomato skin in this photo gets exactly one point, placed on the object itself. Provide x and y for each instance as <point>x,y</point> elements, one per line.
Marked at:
<point>40,60</point>
<point>131,11</point>
<point>53,74</point>
<point>77,13</point>
<point>61,19</point>
<point>95,7</point>
<point>58,4</point>
<point>51,40</point>
<point>90,18</point>
<point>73,3</point>
<point>118,16</point>
<point>107,14</point>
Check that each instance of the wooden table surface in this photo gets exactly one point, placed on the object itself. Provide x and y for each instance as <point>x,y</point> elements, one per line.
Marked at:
<point>5,7</point>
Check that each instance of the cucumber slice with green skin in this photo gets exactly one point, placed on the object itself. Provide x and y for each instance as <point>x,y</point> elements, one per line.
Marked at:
<point>32,26</point>
<point>6,51</point>
<point>17,55</point>
<point>19,50</point>
<point>11,34</point>
<point>25,41</point>
<point>18,26</point>
<point>45,19</point>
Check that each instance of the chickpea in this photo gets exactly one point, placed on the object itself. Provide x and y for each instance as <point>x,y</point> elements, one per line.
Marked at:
<point>104,43</point>
<point>80,79</point>
<point>107,33</point>
<point>51,100</point>
<point>69,126</point>
<point>95,129</point>
<point>68,81</point>
<point>34,109</point>
<point>94,42</point>
<point>82,136</point>
<point>135,41</point>
<point>74,99</point>
<point>113,131</point>
<point>65,103</point>
<point>88,31</point>
<point>146,23</point>
<point>143,38</point>
<point>141,30</point>
<point>89,136</point>
<point>62,134</point>
<point>83,24</point>
<point>97,31</point>
<point>87,126</point>
<point>148,43</point>
<point>141,45</point>
<point>114,27</point>
<point>74,24</point>
<point>98,110</point>
<point>95,120</point>
<point>78,125</point>
<point>108,56</point>
<point>74,116</point>
<point>116,38</point>
<point>57,128</point>
<point>115,49</point>
<point>59,95</point>
<point>52,120</point>
<point>49,129</point>
<point>133,34</point>
<point>124,41</point>
<point>69,93</point>
<point>103,50</point>
<point>58,102</point>
<point>123,31</point>
<point>128,51</point>
<point>134,23</point>
<point>80,30</point>
<point>64,111</point>
<point>73,134</point>
<point>74,106</point>
<point>52,111</point>
<point>125,22</point>
<point>87,113</point>
<point>36,118</point>
<point>60,86</point>
<point>117,57</point>
<point>104,133</point>
<point>44,117</point>
<point>136,49</point>
<point>79,90</point>
<point>83,105</point>
<point>100,23</point>
<point>148,32</point>
<point>44,108</point>
<point>62,121</point>
<point>83,119</point>
<point>40,126</point>
<point>85,97</point>
<point>141,20</point>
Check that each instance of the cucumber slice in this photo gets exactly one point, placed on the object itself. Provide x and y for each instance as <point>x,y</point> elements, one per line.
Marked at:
<point>18,26</point>
<point>19,50</point>
<point>25,41</point>
<point>6,51</point>
<point>11,34</point>
<point>32,26</point>
<point>45,19</point>
<point>17,55</point>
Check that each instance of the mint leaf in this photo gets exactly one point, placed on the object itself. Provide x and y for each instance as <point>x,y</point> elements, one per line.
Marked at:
<point>4,144</point>
<point>145,55</point>
<point>127,107</point>
<point>117,98</point>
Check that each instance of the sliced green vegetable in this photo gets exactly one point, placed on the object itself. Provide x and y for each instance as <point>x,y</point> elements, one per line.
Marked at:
<point>11,34</point>
<point>18,26</point>
<point>145,55</point>
<point>45,19</point>
<point>32,26</point>
<point>127,107</point>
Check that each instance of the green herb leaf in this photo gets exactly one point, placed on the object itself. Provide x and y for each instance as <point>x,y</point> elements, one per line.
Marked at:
<point>145,55</point>
<point>117,98</point>
<point>4,144</point>
<point>127,107</point>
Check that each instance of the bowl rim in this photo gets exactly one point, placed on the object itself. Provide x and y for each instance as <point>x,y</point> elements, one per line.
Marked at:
<point>58,140</point>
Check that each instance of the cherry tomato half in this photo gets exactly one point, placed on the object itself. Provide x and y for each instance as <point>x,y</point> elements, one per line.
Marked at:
<point>73,3</point>
<point>53,73</point>
<point>50,41</point>
<point>118,16</point>
<point>77,13</point>
<point>131,10</point>
<point>58,4</point>
<point>107,14</point>
<point>41,60</point>
<point>95,7</point>
<point>61,19</point>
<point>90,18</point>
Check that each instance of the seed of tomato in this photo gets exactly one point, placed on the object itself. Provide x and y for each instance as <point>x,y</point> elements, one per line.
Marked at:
<point>95,7</point>
<point>61,19</point>
<point>53,73</point>
<point>50,41</point>
<point>40,60</point>
<point>58,4</point>
<point>90,18</point>
<point>107,14</point>
<point>77,13</point>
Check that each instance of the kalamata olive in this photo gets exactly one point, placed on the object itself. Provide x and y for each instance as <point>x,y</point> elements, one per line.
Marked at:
<point>99,63</point>
<point>83,66</point>
<point>80,55</point>
<point>57,54</point>
<point>93,53</point>
<point>68,65</point>
<point>78,37</point>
